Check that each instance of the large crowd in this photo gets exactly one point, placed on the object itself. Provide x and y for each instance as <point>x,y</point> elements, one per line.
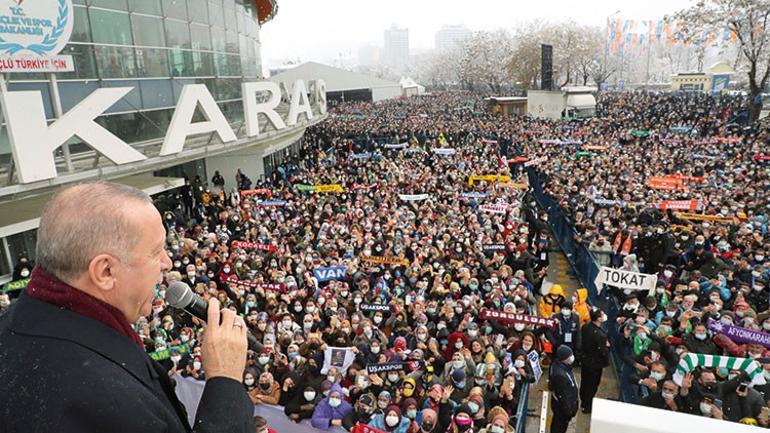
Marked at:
<point>363,264</point>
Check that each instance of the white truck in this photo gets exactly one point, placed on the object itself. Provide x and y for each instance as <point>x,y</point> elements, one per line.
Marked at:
<point>569,102</point>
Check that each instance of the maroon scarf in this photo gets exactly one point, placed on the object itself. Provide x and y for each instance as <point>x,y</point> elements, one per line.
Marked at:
<point>48,289</point>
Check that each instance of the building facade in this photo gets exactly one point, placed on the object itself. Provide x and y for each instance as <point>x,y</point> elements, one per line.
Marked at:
<point>396,48</point>
<point>451,37</point>
<point>157,49</point>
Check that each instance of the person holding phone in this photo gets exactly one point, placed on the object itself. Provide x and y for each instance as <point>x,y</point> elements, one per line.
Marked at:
<point>743,402</point>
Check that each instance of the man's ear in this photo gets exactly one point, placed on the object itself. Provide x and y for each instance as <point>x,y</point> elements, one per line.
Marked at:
<point>101,271</point>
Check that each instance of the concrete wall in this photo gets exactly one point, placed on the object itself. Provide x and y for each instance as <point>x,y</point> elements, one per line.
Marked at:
<point>545,104</point>
<point>389,92</point>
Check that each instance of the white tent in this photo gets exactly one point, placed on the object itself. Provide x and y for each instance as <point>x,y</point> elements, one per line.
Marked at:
<point>341,82</point>
<point>411,87</point>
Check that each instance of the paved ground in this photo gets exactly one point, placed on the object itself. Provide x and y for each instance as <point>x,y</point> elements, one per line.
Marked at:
<point>559,273</point>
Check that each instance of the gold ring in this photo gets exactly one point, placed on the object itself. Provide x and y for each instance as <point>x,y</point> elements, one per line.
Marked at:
<point>238,324</point>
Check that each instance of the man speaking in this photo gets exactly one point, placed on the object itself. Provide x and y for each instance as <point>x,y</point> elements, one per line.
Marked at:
<point>69,358</point>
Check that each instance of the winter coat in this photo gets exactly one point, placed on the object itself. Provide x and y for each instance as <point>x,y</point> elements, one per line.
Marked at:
<point>324,414</point>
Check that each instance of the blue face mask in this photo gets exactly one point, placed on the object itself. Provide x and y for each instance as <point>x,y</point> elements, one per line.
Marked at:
<point>460,385</point>
<point>474,287</point>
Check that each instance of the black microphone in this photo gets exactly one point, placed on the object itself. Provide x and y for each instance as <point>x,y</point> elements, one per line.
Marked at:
<point>180,296</point>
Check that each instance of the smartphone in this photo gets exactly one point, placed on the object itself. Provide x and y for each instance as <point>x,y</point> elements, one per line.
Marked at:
<point>742,388</point>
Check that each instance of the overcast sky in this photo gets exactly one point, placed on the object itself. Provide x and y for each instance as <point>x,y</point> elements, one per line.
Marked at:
<point>322,30</point>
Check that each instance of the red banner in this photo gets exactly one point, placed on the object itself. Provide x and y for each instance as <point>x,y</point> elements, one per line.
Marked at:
<point>272,287</point>
<point>253,246</point>
<point>249,192</point>
<point>761,157</point>
<point>363,428</point>
<point>685,205</point>
<point>504,317</point>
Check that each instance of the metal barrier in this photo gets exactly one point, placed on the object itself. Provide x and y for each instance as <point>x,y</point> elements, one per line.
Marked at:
<point>521,410</point>
<point>586,269</point>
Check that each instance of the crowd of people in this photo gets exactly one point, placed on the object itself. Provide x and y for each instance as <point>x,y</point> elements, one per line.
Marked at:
<point>393,270</point>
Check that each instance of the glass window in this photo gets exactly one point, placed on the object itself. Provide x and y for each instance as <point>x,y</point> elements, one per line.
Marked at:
<point>231,20</point>
<point>218,41</point>
<point>120,5</point>
<point>5,269</point>
<point>132,101</point>
<point>83,58</point>
<point>110,27</point>
<point>178,34</point>
<point>115,62</point>
<point>175,9</point>
<point>81,29</point>
<point>22,243</point>
<point>216,17</point>
<point>181,63</point>
<point>233,111</point>
<point>72,92</point>
<point>231,39</point>
<point>201,38</point>
<point>152,62</point>
<point>156,93</point>
<point>203,64</point>
<point>148,31</point>
<point>226,89</point>
<point>198,11</point>
<point>146,7</point>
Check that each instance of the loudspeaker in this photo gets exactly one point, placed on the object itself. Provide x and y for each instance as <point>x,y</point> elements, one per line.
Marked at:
<point>546,67</point>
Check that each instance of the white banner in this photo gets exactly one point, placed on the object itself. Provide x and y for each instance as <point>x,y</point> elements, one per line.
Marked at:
<point>535,161</point>
<point>396,146</point>
<point>413,197</point>
<point>494,208</point>
<point>444,151</point>
<point>534,362</point>
<point>624,279</point>
<point>189,392</point>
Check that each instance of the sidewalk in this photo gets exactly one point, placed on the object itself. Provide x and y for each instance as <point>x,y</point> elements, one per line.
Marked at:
<point>558,273</point>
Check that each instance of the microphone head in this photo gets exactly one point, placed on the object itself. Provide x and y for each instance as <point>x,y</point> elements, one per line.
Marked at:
<point>179,295</point>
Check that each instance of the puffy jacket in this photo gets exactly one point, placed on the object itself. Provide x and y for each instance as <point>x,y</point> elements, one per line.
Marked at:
<point>378,422</point>
<point>550,303</point>
<point>581,307</point>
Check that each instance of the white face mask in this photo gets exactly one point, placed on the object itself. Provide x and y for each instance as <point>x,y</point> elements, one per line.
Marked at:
<point>334,402</point>
<point>391,420</point>
<point>519,326</point>
<point>264,359</point>
<point>519,363</point>
<point>309,395</point>
<point>458,344</point>
<point>249,381</point>
<point>197,365</point>
<point>375,349</point>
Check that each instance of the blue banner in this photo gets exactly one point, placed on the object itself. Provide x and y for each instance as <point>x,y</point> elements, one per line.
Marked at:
<point>330,273</point>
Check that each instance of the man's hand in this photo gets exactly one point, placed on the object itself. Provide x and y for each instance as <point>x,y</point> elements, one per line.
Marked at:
<point>224,344</point>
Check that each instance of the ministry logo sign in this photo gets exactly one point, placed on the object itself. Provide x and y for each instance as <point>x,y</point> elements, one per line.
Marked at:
<point>32,33</point>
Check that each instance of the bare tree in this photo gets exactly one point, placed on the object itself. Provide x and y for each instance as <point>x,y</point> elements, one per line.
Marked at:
<point>485,57</point>
<point>747,21</point>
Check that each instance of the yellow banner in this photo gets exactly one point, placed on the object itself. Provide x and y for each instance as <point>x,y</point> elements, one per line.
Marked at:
<point>699,217</point>
<point>385,260</point>
<point>489,178</point>
<point>328,188</point>
<point>514,185</point>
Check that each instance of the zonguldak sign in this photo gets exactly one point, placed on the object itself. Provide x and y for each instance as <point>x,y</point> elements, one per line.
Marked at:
<point>33,141</point>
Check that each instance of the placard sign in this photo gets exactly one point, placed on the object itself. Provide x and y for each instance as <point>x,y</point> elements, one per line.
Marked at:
<point>33,33</point>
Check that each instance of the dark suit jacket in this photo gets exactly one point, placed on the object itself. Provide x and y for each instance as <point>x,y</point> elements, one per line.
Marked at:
<point>64,372</point>
<point>595,350</point>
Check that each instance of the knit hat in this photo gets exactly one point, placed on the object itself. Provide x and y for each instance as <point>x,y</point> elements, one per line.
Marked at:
<point>498,412</point>
<point>366,399</point>
<point>464,408</point>
<point>458,375</point>
<point>394,408</point>
<point>429,415</point>
<point>563,352</point>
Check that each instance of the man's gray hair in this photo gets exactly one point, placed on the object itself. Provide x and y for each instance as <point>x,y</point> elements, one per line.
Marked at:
<point>82,221</point>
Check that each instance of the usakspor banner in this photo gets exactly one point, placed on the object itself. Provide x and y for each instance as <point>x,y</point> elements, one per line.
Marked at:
<point>624,279</point>
<point>489,178</point>
<point>536,161</point>
<point>413,197</point>
<point>396,146</point>
<point>253,246</point>
<point>385,308</point>
<point>740,335</point>
<point>494,208</point>
<point>394,366</point>
<point>516,318</point>
<point>474,195</point>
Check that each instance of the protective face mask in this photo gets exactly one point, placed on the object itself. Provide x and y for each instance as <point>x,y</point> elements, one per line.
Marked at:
<point>391,420</point>
<point>334,402</point>
<point>519,363</point>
